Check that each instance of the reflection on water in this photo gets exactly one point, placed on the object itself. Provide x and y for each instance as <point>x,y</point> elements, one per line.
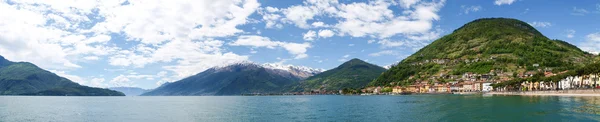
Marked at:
<point>588,105</point>
<point>302,108</point>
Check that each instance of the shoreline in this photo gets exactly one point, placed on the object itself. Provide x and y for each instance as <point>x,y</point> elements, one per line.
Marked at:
<point>575,93</point>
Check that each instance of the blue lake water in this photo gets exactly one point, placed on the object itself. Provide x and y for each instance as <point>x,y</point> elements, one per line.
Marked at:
<point>301,108</point>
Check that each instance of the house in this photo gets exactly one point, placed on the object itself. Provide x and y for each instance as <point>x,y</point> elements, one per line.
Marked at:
<point>487,87</point>
<point>377,90</point>
<point>397,89</point>
<point>477,86</point>
<point>413,88</point>
<point>439,88</point>
<point>549,74</point>
<point>486,76</point>
<point>467,87</point>
<point>424,88</point>
<point>455,88</point>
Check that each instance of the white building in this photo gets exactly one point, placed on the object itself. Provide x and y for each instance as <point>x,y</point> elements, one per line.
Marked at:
<point>487,87</point>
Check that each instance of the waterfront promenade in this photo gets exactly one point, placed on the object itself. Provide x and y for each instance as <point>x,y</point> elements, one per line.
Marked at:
<point>578,92</point>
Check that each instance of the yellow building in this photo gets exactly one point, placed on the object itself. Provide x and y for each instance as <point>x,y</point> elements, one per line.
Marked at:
<point>413,88</point>
<point>440,88</point>
<point>424,88</point>
<point>397,89</point>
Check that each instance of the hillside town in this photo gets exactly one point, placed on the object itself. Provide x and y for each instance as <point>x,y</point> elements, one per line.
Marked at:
<point>496,81</point>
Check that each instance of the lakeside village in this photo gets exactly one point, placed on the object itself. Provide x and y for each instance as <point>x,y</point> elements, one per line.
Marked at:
<point>495,81</point>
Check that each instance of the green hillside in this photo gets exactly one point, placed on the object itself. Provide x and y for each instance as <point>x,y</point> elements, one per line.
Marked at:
<point>494,46</point>
<point>351,74</point>
<point>23,78</point>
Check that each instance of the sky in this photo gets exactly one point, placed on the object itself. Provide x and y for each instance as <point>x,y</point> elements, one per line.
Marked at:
<point>145,43</point>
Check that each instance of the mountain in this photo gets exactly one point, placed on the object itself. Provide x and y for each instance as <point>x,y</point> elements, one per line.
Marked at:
<point>351,74</point>
<point>234,79</point>
<point>498,46</point>
<point>130,91</point>
<point>23,78</point>
<point>300,71</point>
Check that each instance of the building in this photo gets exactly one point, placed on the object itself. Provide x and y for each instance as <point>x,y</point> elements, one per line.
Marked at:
<point>397,89</point>
<point>439,88</point>
<point>467,87</point>
<point>487,87</point>
<point>413,88</point>
<point>377,90</point>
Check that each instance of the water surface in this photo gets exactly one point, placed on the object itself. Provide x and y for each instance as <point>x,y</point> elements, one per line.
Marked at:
<point>301,108</point>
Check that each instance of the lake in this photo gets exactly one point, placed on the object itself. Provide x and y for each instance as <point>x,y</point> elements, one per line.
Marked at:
<point>301,108</point>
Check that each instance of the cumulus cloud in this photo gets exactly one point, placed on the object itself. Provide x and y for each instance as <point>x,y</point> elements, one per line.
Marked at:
<point>470,9</point>
<point>154,22</point>
<point>121,81</point>
<point>297,49</point>
<point>344,58</point>
<point>592,43</point>
<point>361,19</point>
<point>540,24</point>
<point>310,35</point>
<point>318,24</point>
<point>579,11</point>
<point>178,32</point>
<point>503,2</point>
<point>325,33</point>
<point>382,53</point>
<point>57,43</point>
<point>570,33</point>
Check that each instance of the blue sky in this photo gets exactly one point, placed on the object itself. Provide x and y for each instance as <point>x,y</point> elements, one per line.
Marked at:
<point>148,42</point>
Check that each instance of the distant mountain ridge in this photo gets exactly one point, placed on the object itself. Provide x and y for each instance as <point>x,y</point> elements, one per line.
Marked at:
<point>130,91</point>
<point>235,79</point>
<point>354,74</point>
<point>23,78</point>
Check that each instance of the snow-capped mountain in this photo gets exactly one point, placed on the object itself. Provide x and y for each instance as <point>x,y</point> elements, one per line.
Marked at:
<point>300,71</point>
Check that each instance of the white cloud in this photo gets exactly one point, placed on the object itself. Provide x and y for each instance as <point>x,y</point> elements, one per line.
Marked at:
<point>68,32</point>
<point>121,81</point>
<point>360,19</point>
<point>318,24</point>
<point>350,45</point>
<point>408,3</point>
<point>346,56</point>
<point>388,43</point>
<point>381,53</point>
<point>370,41</point>
<point>98,82</point>
<point>297,49</point>
<point>299,14</point>
<point>592,43</point>
<point>255,41</point>
<point>540,24</point>
<point>570,33</point>
<point>310,35</point>
<point>502,2</point>
<point>325,33</point>
<point>579,12</point>
<point>470,9</point>
<point>154,22</point>
<point>375,19</point>
<point>92,58</point>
